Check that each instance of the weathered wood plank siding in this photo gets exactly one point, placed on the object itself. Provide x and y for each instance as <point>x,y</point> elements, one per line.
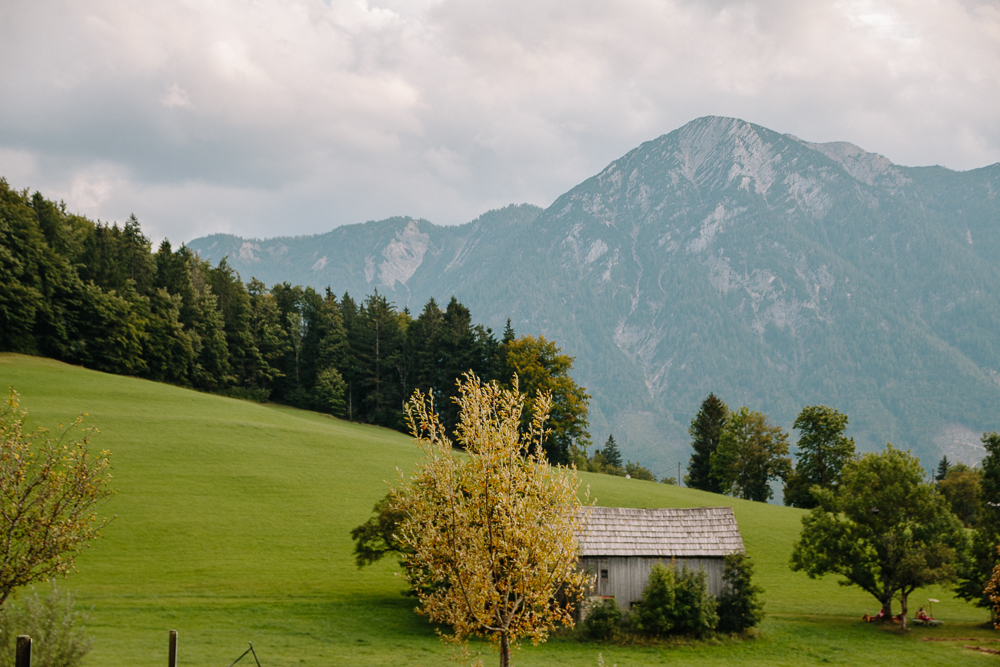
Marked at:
<point>620,546</point>
<point>627,575</point>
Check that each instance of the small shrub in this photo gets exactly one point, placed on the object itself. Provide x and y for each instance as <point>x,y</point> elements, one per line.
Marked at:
<point>694,609</point>
<point>54,625</point>
<point>655,614</point>
<point>603,620</point>
<point>676,603</point>
<point>740,606</point>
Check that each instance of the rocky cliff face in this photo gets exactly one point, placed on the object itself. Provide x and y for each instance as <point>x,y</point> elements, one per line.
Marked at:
<point>721,257</point>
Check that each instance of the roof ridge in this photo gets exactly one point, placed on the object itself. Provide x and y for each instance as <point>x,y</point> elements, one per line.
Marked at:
<point>661,532</point>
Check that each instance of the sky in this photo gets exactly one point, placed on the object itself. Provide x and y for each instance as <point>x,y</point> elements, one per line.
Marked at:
<point>284,117</point>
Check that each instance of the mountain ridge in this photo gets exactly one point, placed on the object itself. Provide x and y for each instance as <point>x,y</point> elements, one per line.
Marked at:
<point>726,257</point>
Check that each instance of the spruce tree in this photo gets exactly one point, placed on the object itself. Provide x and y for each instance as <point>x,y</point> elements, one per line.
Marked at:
<point>611,455</point>
<point>706,429</point>
<point>942,469</point>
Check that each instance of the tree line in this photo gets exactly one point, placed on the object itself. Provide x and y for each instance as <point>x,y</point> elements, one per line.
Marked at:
<point>98,295</point>
<point>876,519</point>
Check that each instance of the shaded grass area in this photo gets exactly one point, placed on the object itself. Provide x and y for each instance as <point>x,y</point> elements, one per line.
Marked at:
<point>233,523</point>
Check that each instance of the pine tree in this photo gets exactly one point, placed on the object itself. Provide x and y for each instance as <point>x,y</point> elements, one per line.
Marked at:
<point>610,452</point>
<point>705,431</point>
<point>942,469</point>
<point>508,332</point>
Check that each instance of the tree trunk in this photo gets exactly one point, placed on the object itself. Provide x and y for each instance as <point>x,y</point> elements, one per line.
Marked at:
<point>902,601</point>
<point>504,650</point>
<point>887,609</point>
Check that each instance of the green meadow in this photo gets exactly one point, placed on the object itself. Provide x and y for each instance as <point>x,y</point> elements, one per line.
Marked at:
<point>232,526</point>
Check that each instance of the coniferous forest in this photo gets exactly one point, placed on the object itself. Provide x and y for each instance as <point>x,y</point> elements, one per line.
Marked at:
<point>97,295</point>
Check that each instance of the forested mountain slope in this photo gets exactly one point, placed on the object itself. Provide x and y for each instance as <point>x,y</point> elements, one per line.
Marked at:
<point>721,257</point>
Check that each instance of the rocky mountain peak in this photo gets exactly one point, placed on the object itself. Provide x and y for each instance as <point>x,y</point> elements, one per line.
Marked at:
<point>720,257</point>
<point>859,163</point>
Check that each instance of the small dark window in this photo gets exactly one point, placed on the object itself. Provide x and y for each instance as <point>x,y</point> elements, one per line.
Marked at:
<point>604,575</point>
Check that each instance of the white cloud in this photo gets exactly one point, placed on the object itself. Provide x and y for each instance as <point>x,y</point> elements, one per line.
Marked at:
<point>292,117</point>
<point>175,97</point>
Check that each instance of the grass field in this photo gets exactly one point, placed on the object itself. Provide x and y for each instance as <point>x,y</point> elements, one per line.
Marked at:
<point>233,523</point>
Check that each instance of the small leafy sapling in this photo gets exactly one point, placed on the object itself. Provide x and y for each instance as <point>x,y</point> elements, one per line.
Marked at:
<point>50,491</point>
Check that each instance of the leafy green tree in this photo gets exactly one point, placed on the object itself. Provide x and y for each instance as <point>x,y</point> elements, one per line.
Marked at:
<point>823,450</point>
<point>978,566</point>
<point>638,471</point>
<point>111,329</point>
<point>542,369</point>
<point>328,394</point>
<point>962,488</point>
<point>173,273</point>
<point>265,340</point>
<point>39,288</point>
<point>740,603</point>
<point>248,368</point>
<point>211,369</point>
<point>101,257</point>
<point>168,349</point>
<point>612,456</point>
<point>751,453</point>
<point>706,429</point>
<point>64,233</point>
<point>323,339</point>
<point>21,296</point>
<point>883,529</point>
<point>376,538</point>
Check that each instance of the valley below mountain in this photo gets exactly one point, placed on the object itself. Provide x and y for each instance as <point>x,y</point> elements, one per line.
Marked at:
<point>721,257</point>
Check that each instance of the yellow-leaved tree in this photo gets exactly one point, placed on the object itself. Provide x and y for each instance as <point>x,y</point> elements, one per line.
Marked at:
<point>49,493</point>
<point>490,537</point>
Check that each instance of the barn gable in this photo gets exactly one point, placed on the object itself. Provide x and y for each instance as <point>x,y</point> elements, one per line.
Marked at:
<point>620,546</point>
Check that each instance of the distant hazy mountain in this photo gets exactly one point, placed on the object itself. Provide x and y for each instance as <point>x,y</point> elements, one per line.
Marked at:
<point>720,257</point>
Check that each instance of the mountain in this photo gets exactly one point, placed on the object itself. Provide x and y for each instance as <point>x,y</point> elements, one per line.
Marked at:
<point>721,257</point>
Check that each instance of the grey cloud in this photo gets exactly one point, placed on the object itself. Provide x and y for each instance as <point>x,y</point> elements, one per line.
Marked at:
<point>292,117</point>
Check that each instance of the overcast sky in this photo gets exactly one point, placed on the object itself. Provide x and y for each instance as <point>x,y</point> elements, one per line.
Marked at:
<point>274,117</point>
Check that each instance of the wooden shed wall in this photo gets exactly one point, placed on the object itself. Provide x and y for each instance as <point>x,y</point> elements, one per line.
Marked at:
<point>627,575</point>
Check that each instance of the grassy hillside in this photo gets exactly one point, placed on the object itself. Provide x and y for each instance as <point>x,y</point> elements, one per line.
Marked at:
<point>233,523</point>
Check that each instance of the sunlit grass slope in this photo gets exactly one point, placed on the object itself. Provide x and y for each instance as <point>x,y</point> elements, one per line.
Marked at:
<point>232,525</point>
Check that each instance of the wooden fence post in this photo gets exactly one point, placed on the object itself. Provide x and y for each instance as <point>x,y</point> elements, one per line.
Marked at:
<point>172,658</point>
<point>23,651</point>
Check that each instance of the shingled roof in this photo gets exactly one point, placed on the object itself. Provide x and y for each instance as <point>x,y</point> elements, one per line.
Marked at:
<point>692,532</point>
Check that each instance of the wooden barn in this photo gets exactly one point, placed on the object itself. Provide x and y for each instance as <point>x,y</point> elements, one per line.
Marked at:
<point>620,545</point>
